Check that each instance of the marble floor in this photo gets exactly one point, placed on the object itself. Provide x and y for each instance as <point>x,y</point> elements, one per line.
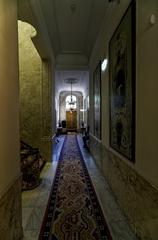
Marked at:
<point>34,201</point>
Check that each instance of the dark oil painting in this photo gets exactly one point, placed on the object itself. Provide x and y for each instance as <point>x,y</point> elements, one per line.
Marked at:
<point>97,100</point>
<point>122,84</point>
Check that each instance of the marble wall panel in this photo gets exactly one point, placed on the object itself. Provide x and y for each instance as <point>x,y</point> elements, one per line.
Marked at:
<point>11,213</point>
<point>46,148</point>
<point>30,78</point>
<point>95,148</point>
<point>35,94</point>
<point>46,99</point>
<point>137,198</point>
<point>46,102</point>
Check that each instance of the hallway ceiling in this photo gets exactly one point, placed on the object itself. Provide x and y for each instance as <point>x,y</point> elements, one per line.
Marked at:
<point>72,26</point>
<point>68,30</point>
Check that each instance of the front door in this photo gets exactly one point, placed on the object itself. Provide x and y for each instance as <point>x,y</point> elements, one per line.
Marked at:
<point>71,120</point>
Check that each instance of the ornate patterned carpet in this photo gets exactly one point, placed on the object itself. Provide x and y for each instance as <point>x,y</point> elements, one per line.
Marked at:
<point>73,211</point>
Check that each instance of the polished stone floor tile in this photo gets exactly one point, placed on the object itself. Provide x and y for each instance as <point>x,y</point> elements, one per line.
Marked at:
<point>121,231</point>
<point>26,213</point>
<point>30,235</point>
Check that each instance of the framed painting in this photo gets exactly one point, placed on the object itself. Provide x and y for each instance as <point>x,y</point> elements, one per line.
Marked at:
<point>97,101</point>
<point>122,85</point>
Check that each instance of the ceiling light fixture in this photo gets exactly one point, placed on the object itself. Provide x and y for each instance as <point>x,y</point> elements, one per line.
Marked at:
<point>72,102</point>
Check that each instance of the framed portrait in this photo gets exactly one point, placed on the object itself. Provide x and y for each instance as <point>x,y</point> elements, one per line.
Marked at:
<point>97,101</point>
<point>122,85</point>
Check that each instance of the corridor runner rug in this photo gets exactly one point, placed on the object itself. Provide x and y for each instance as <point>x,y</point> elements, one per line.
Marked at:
<point>73,211</point>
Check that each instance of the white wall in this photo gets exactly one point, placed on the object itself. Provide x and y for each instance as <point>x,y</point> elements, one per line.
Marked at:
<point>9,99</point>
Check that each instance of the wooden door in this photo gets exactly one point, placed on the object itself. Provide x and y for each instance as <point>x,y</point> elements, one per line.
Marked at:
<point>71,120</point>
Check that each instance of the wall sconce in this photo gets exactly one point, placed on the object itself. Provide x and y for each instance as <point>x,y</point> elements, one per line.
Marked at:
<point>104,64</point>
<point>152,19</point>
<point>82,110</point>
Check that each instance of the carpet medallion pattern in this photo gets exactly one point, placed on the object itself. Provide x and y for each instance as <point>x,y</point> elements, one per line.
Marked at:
<point>73,211</point>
